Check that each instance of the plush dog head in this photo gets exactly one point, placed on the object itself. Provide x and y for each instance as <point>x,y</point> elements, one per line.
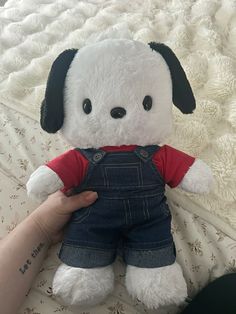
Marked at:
<point>115,92</point>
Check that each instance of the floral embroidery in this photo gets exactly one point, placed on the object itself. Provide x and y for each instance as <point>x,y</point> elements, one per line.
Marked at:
<point>196,268</point>
<point>61,308</point>
<point>41,283</point>
<point>204,228</point>
<point>221,236</point>
<point>21,132</point>
<point>33,140</point>
<point>30,311</point>
<point>175,228</point>
<point>213,257</point>
<point>46,146</point>
<point>11,227</point>
<point>14,196</point>
<point>231,267</point>
<point>118,308</point>
<point>23,164</point>
<point>185,224</point>
<point>196,247</point>
<point>9,159</point>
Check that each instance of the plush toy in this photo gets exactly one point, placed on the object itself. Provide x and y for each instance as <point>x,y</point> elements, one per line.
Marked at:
<point>112,101</point>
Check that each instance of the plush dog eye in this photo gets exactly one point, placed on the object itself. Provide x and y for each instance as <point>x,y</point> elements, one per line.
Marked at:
<point>147,103</point>
<point>87,106</point>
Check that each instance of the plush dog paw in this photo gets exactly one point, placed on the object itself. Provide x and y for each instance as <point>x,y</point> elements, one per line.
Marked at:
<point>157,287</point>
<point>198,179</point>
<point>81,287</point>
<point>42,182</point>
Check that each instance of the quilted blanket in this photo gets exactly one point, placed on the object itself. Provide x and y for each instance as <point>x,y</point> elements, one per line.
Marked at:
<point>203,35</point>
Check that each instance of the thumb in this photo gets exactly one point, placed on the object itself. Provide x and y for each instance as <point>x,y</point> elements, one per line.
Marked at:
<point>83,199</point>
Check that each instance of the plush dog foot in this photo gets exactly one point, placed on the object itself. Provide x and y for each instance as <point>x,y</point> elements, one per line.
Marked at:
<point>157,287</point>
<point>80,287</point>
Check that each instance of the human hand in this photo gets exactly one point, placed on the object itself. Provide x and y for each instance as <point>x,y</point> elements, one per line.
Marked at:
<point>52,215</point>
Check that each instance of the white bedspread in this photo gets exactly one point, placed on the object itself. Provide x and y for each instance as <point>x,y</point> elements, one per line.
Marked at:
<point>203,251</point>
<point>203,35</point>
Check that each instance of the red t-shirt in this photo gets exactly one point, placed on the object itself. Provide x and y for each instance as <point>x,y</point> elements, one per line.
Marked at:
<point>171,163</point>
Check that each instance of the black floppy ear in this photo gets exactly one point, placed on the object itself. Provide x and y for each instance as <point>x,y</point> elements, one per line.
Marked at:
<point>52,111</point>
<point>182,94</point>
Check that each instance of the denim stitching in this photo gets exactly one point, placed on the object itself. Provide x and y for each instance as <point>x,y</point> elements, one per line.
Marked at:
<point>131,186</point>
<point>165,210</point>
<point>91,168</point>
<point>107,183</point>
<point>152,249</point>
<point>146,207</point>
<point>168,240</point>
<point>141,175</point>
<point>128,164</point>
<point>140,178</point>
<point>126,154</point>
<point>156,172</point>
<point>83,217</point>
<point>104,177</point>
<point>144,213</point>
<point>124,197</point>
<point>89,247</point>
<point>136,167</point>
<point>90,244</point>
<point>126,218</point>
<point>129,196</point>
<point>129,208</point>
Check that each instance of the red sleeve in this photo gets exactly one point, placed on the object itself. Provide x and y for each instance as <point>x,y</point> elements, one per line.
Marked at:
<point>71,167</point>
<point>172,164</point>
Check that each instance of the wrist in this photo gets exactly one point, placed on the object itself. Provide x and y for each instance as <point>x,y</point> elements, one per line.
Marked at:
<point>35,220</point>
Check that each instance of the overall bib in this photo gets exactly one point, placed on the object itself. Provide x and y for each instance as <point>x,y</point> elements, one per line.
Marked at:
<point>131,209</point>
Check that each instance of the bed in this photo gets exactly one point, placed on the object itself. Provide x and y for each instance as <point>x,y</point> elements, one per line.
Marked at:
<point>203,35</point>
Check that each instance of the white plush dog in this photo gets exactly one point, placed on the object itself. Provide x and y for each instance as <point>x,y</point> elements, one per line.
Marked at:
<point>113,102</point>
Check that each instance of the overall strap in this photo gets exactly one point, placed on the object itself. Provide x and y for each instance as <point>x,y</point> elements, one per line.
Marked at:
<point>92,155</point>
<point>145,153</point>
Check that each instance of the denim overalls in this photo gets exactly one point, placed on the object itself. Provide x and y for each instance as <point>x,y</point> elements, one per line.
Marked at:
<point>130,210</point>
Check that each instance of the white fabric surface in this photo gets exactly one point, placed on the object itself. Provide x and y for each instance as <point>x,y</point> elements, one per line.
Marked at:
<point>203,35</point>
<point>203,251</point>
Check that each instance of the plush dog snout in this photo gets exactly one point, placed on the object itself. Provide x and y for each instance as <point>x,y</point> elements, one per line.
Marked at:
<point>118,112</point>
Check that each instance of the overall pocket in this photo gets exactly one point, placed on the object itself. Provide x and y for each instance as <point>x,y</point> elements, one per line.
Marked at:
<point>154,209</point>
<point>81,214</point>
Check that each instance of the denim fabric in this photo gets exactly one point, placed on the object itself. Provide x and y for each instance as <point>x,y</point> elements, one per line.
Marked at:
<point>131,209</point>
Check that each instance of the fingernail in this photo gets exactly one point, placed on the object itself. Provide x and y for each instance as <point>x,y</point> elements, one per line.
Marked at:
<point>92,196</point>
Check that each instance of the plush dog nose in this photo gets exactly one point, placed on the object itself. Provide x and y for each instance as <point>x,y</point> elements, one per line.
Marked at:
<point>118,112</point>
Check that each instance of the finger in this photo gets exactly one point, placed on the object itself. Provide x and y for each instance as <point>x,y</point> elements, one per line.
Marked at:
<point>83,199</point>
